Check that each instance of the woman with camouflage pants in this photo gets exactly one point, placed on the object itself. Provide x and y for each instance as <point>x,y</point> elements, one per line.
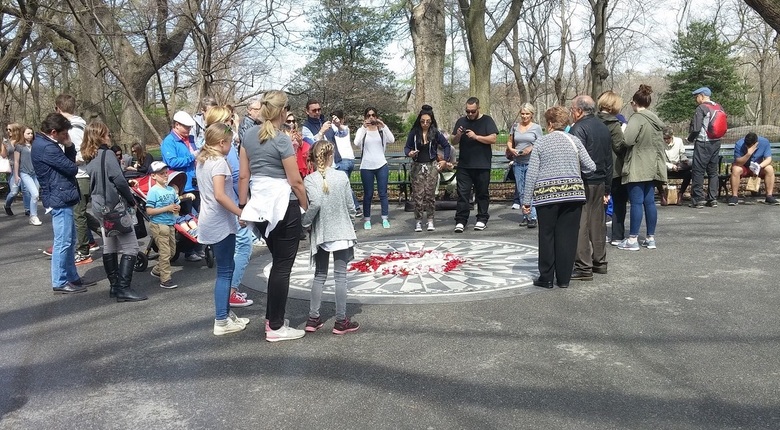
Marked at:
<point>422,146</point>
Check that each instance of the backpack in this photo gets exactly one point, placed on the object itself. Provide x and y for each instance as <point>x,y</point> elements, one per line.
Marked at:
<point>718,124</point>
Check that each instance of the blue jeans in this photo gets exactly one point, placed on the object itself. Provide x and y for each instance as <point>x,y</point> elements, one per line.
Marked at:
<point>223,254</point>
<point>63,256</point>
<point>347,166</point>
<point>242,254</point>
<point>30,193</point>
<point>14,191</point>
<point>521,169</point>
<point>367,177</point>
<point>641,195</point>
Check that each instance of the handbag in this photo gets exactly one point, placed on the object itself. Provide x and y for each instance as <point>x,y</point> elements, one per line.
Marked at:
<point>119,219</point>
<point>5,165</point>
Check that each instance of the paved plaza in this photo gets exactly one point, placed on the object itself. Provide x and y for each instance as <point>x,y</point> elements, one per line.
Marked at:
<point>683,337</point>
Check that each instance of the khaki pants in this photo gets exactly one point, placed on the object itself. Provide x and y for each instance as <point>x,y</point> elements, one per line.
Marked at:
<point>165,238</point>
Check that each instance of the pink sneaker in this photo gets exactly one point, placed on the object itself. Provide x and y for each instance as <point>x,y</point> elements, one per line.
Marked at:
<point>238,300</point>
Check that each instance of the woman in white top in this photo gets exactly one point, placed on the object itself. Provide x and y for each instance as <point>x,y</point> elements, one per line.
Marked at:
<point>373,138</point>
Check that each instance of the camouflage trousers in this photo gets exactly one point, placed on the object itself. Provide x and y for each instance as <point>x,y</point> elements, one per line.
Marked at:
<point>424,179</point>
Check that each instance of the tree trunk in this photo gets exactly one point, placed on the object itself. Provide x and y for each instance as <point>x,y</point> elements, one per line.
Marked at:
<point>430,41</point>
<point>481,48</point>
<point>598,69</point>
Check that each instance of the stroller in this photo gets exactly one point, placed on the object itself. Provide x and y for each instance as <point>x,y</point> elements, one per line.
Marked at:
<point>186,233</point>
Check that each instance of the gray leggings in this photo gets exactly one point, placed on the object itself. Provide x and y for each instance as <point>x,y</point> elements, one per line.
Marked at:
<point>321,260</point>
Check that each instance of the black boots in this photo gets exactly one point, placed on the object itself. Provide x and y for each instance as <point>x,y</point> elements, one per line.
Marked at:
<point>123,291</point>
<point>111,266</point>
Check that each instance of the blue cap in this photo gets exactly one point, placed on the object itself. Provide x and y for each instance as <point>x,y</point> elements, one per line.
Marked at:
<point>703,90</point>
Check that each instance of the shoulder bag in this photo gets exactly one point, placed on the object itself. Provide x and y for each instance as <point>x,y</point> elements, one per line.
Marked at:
<point>119,219</point>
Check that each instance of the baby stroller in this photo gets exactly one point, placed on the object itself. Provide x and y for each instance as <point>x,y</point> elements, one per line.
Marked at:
<point>186,225</point>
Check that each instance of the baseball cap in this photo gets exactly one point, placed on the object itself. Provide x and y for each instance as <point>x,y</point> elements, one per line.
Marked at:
<point>184,118</point>
<point>158,166</point>
<point>703,90</point>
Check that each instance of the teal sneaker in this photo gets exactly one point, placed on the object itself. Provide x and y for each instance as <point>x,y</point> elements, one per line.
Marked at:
<point>367,225</point>
<point>385,223</point>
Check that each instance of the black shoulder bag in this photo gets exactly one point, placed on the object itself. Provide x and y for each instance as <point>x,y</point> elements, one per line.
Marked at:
<point>117,220</point>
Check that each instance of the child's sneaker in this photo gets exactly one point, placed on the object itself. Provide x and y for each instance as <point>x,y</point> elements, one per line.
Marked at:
<point>226,326</point>
<point>284,332</point>
<point>313,324</point>
<point>239,300</point>
<point>168,285</point>
<point>346,326</point>
<point>154,273</point>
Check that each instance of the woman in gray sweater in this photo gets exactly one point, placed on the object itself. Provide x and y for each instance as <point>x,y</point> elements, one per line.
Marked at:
<point>330,214</point>
<point>108,187</point>
<point>554,186</point>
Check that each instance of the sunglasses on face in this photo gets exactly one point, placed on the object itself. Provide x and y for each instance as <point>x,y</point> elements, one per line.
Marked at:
<point>290,121</point>
<point>469,111</point>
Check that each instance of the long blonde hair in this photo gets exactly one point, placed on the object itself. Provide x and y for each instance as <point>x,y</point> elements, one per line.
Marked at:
<point>217,114</point>
<point>16,132</point>
<point>319,156</point>
<point>271,106</point>
<point>214,134</point>
<point>93,138</point>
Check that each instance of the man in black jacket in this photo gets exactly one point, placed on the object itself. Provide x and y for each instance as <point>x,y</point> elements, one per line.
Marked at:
<point>595,136</point>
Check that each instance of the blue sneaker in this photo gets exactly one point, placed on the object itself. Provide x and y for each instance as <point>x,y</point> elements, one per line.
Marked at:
<point>625,245</point>
<point>649,243</point>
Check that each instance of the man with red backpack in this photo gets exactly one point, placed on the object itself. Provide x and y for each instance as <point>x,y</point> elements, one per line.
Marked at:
<point>708,125</point>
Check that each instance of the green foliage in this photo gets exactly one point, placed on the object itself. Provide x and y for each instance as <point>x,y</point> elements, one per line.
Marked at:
<point>347,73</point>
<point>704,61</point>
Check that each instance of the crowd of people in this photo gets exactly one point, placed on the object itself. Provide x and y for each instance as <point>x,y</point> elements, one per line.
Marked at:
<point>264,177</point>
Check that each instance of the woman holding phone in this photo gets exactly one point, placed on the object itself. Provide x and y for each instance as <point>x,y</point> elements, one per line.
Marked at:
<point>373,138</point>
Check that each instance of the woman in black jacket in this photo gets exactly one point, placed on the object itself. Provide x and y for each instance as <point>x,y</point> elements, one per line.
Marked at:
<point>142,162</point>
<point>108,187</point>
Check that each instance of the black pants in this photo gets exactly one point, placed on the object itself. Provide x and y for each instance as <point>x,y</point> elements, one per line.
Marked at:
<point>559,226</point>
<point>479,180</point>
<point>705,158</point>
<point>283,244</point>
<point>619,201</point>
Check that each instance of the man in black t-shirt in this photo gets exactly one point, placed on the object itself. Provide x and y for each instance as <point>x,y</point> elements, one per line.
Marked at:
<point>475,134</point>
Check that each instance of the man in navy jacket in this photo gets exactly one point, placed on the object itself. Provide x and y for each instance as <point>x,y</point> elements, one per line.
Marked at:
<point>56,171</point>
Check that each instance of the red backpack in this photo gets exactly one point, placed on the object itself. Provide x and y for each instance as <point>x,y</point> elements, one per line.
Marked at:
<point>718,125</point>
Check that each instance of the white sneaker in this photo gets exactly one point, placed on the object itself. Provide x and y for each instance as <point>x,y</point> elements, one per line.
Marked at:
<point>479,226</point>
<point>258,242</point>
<point>459,228</point>
<point>35,221</point>
<point>285,332</point>
<point>430,226</point>
<point>236,319</point>
<point>515,207</point>
<point>418,227</point>
<point>227,326</point>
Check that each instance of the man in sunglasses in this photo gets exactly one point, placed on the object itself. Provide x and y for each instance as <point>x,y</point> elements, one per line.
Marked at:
<point>316,125</point>
<point>475,133</point>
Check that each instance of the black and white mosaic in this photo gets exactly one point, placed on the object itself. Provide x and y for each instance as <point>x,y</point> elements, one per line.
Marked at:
<point>494,269</point>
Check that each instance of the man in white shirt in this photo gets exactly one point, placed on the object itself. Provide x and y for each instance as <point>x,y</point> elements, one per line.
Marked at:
<point>678,166</point>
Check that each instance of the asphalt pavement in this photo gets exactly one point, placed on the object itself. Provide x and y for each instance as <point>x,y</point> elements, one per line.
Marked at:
<point>683,337</point>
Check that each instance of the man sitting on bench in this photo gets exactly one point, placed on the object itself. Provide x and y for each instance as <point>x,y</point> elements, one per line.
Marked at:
<point>752,157</point>
<point>678,166</point>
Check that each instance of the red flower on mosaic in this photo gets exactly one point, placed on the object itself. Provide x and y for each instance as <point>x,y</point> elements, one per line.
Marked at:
<point>409,263</point>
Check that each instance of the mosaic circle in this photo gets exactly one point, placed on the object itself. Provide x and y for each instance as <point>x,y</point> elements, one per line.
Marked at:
<point>493,269</point>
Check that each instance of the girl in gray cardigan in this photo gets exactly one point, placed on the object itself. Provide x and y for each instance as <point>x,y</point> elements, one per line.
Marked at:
<point>330,214</point>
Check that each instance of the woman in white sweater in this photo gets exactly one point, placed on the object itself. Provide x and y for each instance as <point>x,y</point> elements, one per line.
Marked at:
<point>373,138</point>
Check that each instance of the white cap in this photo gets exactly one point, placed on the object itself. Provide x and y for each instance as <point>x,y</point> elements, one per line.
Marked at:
<point>158,166</point>
<point>184,118</point>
